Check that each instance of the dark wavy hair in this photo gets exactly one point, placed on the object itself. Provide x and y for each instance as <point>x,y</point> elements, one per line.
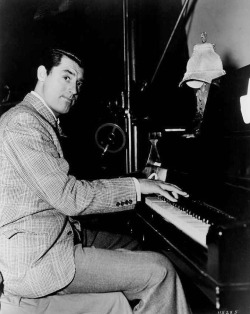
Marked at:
<point>53,56</point>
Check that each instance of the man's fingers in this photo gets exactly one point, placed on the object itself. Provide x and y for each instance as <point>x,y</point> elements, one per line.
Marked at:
<point>169,196</point>
<point>170,191</point>
<point>166,188</point>
<point>175,195</point>
<point>172,188</point>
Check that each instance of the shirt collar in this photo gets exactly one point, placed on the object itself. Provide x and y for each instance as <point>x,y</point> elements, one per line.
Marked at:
<point>44,103</point>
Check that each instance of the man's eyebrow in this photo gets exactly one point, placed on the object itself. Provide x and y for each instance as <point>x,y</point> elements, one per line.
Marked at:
<point>69,72</point>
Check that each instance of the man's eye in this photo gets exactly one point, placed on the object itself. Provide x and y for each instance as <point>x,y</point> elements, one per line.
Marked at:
<point>79,85</point>
<point>67,78</point>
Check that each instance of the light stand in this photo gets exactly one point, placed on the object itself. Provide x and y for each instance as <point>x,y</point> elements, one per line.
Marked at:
<point>127,87</point>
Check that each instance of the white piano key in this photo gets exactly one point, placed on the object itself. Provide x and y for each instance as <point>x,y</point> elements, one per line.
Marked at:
<point>191,226</point>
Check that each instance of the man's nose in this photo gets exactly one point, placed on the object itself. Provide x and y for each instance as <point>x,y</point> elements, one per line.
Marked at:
<point>73,89</point>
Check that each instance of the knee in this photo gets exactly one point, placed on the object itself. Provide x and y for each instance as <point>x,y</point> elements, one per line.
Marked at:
<point>161,268</point>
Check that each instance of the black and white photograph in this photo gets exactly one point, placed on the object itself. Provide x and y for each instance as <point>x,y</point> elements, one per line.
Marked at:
<point>124,157</point>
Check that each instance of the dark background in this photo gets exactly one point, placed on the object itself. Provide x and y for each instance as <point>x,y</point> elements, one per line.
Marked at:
<point>95,29</point>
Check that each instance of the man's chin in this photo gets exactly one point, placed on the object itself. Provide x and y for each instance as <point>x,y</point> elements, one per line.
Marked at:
<point>66,110</point>
<point>67,106</point>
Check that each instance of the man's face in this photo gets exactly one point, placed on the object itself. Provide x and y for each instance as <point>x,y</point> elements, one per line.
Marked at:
<point>62,86</point>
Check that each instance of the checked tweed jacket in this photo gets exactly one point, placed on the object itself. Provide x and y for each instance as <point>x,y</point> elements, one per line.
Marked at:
<point>37,197</point>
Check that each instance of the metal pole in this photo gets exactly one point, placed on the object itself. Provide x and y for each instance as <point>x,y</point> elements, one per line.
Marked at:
<point>135,151</point>
<point>133,76</point>
<point>126,55</point>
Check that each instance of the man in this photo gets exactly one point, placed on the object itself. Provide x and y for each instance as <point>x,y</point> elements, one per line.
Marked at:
<point>41,252</point>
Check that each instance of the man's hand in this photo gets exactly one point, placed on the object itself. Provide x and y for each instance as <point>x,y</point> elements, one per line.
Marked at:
<point>168,190</point>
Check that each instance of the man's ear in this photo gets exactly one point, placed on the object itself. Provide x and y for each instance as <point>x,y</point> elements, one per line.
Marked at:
<point>41,73</point>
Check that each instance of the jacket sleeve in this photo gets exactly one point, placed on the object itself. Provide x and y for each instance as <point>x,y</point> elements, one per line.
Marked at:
<point>33,151</point>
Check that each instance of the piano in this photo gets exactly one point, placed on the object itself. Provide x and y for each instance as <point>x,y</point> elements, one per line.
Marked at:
<point>207,236</point>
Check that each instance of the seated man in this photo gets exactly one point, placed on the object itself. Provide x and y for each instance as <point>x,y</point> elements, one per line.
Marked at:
<point>42,251</point>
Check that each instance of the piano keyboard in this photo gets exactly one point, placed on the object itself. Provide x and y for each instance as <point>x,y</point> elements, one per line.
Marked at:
<point>190,225</point>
